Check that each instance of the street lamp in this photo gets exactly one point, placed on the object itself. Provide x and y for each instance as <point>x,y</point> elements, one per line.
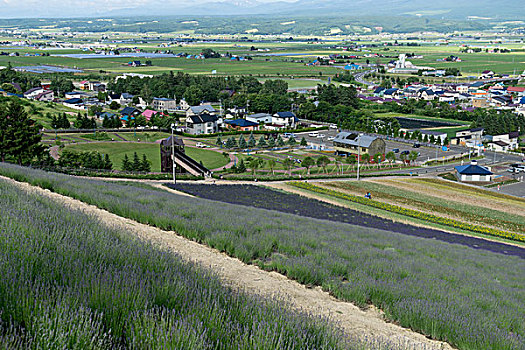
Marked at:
<point>173,153</point>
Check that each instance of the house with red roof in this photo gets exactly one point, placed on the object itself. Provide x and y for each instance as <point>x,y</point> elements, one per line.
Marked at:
<point>148,113</point>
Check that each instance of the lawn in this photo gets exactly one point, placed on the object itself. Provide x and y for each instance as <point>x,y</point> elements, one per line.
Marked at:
<point>117,150</point>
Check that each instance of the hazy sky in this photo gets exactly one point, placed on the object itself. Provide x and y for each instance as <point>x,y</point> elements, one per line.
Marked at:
<point>64,8</point>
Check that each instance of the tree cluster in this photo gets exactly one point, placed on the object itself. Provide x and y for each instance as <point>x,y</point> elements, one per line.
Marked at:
<point>136,164</point>
<point>19,135</point>
<point>85,159</point>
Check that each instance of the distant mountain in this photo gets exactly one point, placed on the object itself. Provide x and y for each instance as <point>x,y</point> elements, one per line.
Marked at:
<point>451,9</point>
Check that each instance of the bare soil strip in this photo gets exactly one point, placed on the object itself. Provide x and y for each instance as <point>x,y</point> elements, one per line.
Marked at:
<point>495,203</point>
<point>364,324</point>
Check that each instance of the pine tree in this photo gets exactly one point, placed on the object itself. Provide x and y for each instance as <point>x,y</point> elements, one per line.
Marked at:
<point>241,168</point>
<point>230,143</point>
<point>291,141</point>
<point>242,142</point>
<point>251,141</point>
<point>219,141</point>
<point>108,165</point>
<point>136,165</point>
<point>303,142</point>
<point>262,142</point>
<point>145,164</point>
<point>280,142</point>
<point>64,122</point>
<point>19,135</point>
<point>126,164</point>
<point>271,142</point>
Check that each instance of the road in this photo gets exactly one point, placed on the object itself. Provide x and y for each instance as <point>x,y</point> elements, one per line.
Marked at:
<point>360,77</point>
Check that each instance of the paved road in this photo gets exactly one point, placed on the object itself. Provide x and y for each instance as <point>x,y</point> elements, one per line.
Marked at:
<point>360,77</point>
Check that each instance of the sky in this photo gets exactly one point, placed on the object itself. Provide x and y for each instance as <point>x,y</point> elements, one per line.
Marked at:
<point>66,8</point>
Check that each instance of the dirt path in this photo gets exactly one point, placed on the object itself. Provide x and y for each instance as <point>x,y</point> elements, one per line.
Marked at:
<point>356,322</point>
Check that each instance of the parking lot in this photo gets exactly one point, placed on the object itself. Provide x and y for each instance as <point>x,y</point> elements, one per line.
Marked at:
<point>426,153</point>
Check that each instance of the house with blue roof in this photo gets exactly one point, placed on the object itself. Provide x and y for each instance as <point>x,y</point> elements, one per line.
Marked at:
<point>391,93</point>
<point>285,120</point>
<point>241,124</point>
<point>353,66</point>
<point>129,113</point>
<point>473,173</point>
<point>379,91</point>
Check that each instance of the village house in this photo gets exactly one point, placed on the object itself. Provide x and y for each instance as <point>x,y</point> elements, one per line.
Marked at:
<point>75,103</point>
<point>122,99</point>
<point>260,118</point>
<point>241,124</point>
<point>473,173</point>
<point>504,142</point>
<point>197,110</point>
<point>203,123</point>
<point>285,120</point>
<point>46,96</point>
<point>32,93</point>
<point>471,136</point>
<point>346,143</point>
<point>164,104</point>
<point>75,94</point>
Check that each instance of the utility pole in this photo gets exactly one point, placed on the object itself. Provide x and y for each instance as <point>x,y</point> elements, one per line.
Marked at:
<point>173,153</point>
<point>358,154</point>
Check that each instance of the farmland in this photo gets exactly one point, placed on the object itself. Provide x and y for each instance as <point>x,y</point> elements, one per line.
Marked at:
<point>426,201</point>
<point>91,286</point>
<point>473,298</point>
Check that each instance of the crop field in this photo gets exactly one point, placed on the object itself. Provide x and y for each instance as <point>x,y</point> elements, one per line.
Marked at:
<point>427,202</point>
<point>68,281</point>
<point>117,150</point>
<point>260,197</point>
<point>283,58</point>
<point>472,298</point>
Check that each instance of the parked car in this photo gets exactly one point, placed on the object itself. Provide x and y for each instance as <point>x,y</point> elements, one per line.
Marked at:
<point>333,126</point>
<point>395,150</point>
<point>405,152</point>
<point>416,145</point>
<point>331,138</point>
<point>513,170</point>
<point>313,134</point>
<point>200,145</point>
<point>320,136</point>
<point>287,135</point>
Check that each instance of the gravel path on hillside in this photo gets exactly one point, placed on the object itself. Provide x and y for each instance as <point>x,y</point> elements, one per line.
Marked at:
<point>364,324</point>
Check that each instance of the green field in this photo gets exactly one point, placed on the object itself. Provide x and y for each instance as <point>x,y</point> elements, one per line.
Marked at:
<point>117,150</point>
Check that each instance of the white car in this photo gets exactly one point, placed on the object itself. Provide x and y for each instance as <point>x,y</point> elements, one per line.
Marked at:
<point>331,138</point>
<point>333,126</point>
<point>314,134</point>
<point>200,145</point>
<point>320,136</point>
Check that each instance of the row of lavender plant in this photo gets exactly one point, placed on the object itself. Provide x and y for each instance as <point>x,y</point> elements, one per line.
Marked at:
<point>474,299</point>
<point>69,282</point>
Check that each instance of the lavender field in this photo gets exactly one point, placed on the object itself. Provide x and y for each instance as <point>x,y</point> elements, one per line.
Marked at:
<point>69,282</point>
<point>471,298</point>
<point>266,198</point>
